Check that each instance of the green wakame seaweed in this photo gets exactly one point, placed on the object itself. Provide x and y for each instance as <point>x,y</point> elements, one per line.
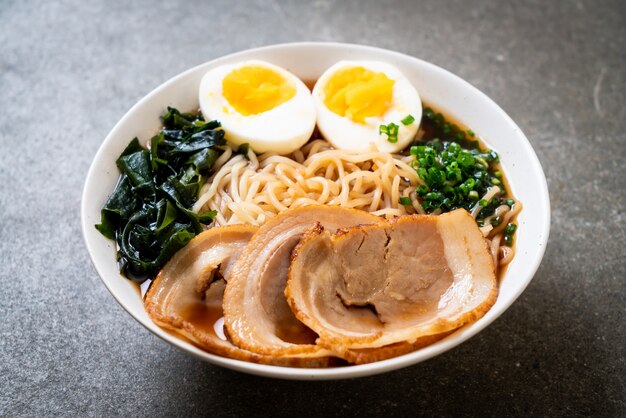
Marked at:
<point>149,213</point>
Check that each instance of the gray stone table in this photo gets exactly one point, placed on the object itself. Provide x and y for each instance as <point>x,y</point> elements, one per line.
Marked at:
<point>69,69</point>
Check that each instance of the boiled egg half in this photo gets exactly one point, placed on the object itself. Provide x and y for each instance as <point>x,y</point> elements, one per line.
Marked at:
<point>360,103</point>
<point>260,104</point>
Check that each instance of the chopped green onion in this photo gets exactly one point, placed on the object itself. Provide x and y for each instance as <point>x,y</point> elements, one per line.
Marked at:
<point>408,120</point>
<point>482,162</point>
<point>405,201</point>
<point>509,202</point>
<point>465,159</point>
<point>495,221</point>
<point>391,131</point>
<point>510,229</point>
<point>455,170</point>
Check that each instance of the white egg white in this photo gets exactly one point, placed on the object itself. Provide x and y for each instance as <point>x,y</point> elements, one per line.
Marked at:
<point>346,134</point>
<point>282,129</point>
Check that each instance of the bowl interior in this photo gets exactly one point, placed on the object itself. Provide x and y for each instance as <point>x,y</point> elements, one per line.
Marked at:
<point>437,87</point>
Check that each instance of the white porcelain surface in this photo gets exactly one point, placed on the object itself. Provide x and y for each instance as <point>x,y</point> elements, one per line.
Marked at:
<point>436,86</point>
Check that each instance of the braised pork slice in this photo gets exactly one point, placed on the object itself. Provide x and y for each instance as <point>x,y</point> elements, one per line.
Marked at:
<point>370,355</point>
<point>186,297</point>
<point>256,313</point>
<point>391,282</point>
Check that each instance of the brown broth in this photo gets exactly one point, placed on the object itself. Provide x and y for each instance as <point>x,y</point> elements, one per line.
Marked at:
<point>197,312</point>
<point>204,317</point>
<point>310,84</point>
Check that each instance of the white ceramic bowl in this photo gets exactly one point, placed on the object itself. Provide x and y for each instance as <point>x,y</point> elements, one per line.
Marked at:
<point>437,87</point>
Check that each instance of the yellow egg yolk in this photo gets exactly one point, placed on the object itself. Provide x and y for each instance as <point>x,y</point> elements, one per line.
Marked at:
<point>255,89</point>
<point>358,93</point>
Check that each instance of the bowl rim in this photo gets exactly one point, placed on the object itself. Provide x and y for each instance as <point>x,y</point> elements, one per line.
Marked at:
<point>352,371</point>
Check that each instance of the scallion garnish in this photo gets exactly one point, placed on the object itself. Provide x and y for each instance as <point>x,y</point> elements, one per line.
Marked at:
<point>391,131</point>
<point>408,120</point>
<point>455,171</point>
<point>509,231</point>
<point>405,201</point>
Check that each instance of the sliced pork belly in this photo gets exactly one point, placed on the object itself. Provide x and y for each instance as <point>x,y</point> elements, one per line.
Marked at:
<point>370,355</point>
<point>186,297</point>
<point>391,282</point>
<point>256,313</point>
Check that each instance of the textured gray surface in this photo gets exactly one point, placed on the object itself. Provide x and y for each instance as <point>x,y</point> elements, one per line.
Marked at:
<point>70,69</point>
